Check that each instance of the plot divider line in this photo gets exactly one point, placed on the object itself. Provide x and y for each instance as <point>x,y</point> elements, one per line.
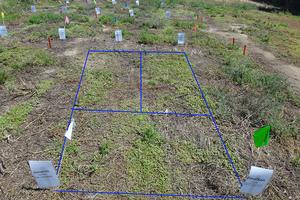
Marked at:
<point>71,115</point>
<point>214,121</point>
<point>141,82</point>
<point>152,194</point>
<point>145,113</point>
<point>136,51</point>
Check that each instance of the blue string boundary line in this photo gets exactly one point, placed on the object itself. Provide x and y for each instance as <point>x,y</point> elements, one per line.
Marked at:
<point>201,93</point>
<point>152,194</point>
<point>144,113</point>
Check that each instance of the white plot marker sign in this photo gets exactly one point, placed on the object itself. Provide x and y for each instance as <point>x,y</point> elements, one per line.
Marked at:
<point>33,9</point>
<point>44,173</point>
<point>257,180</point>
<point>98,11</point>
<point>131,13</point>
<point>168,14</point>
<point>3,31</point>
<point>62,33</point>
<point>118,35</point>
<point>181,37</point>
<point>68,133</point>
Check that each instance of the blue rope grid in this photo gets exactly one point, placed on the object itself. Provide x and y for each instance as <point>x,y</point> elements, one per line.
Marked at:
<point>201,93</point>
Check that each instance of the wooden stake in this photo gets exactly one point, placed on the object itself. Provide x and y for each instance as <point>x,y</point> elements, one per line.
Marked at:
<point>49,42</point>
<point>245,49</point>
<point>195,28</point>
<point>233,41</point>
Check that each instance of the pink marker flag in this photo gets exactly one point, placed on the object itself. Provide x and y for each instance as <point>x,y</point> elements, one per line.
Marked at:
<point>67,21</point>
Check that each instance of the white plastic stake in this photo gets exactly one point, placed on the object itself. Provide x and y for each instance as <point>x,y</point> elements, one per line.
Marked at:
<point>33,9</point>
<point>131,13</point>
<point>68,133</point>
<point>257,180</point>
<point>114,2</point>
<point>98,11</point>
<point>44,173</point>
<point>181,37</point>
<point>3,31</point>
<point>137,2</point>
<point>62,33</point>
<point>168,14</point>
<point>118,36</point>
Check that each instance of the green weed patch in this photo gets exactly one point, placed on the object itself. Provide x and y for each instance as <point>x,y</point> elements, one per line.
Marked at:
<point>45,18</point>
<point>11,121</point>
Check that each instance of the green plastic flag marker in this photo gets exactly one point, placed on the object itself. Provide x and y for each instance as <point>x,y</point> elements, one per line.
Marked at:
<point>261,136</point>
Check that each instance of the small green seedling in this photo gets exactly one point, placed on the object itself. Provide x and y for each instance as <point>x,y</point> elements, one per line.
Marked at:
<point>261,136</point>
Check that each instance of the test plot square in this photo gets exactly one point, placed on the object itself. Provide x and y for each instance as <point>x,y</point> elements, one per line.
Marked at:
<point>137,152</point>
<point>146,153</point>
<point>110,82</point>
<point>168,85</point>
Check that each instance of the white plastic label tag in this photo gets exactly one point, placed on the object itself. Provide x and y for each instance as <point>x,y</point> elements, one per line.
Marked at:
<point>181,38</point>
<point>168,14</point>
<point>118,36</point>
<point>68,133</point>
<point>97,11</point>
<point>3,31</point>
<point>257,180</point>
<point>62,33</point>
<point>44,173</point>
<point>131,13</point>
<point>33,8</point>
